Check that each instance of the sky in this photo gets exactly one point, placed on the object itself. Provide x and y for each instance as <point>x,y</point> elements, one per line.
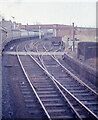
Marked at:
<point>81,12</point>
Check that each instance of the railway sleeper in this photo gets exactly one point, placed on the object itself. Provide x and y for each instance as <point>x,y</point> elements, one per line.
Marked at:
<point>32,105</point>
<point>81,93</point>
<point>76,89</point>
<point>50,99</point>
<point>96,111</point>
<point>46,92</point>
<point>27,96</point>
<point>47,95</point>
<point>82,113</point>
<point>62,117</point>
<point>93,107</point>
<point>85,98</point>
<point>59,113</point>
<point>36,114</point>
<point>26,92</point>
<point>53,104</point>
<point>65,116</point>
<point>42,89</point>
<point>56,110</point>
<point>90,102</point>
<point>42,83</point>
<point>28,100</point>
<point>43,86</point>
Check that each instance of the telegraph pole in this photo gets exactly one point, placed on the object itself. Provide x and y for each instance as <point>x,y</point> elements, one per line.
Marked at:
<point>39,33</point>
<point>73,36</point>
<point>54,31</point>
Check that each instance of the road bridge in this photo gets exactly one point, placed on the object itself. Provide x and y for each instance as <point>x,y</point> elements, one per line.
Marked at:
<point>58,30</point>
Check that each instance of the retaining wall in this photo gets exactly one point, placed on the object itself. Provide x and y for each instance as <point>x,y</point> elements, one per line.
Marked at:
<point>83,70</point>
<point>17,39</point>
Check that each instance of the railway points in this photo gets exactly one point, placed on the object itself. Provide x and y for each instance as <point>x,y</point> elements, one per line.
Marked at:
<point>45,86</point>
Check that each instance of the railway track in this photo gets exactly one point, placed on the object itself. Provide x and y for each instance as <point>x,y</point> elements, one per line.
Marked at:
<point>46,91</point>
<point>53,93</point>
<point>79,91</point>
<point>50,90</point>
<point>78,107</point>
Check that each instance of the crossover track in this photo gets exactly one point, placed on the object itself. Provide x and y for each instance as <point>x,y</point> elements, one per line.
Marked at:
<point>85,103</point>
<point>47,92</point>
<point>76,85</point>
<point>60,95</point>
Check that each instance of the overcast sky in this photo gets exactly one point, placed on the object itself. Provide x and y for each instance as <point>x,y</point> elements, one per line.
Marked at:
<point>81,12</point>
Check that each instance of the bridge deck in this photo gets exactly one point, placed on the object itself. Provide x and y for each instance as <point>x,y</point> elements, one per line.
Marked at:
<point>34,53</point>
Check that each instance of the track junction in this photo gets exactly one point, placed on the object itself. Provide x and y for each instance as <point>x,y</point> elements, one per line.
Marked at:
<point>49,89</point>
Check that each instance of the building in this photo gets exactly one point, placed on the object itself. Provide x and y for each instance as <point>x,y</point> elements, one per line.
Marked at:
<point>3,33</point>
<point>3,36</point>
<point>7,24</point>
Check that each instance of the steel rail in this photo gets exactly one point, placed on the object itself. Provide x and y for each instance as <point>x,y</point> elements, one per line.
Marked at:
<point>51,77</point>
<point>88,110</point>
<point>67,91</point>
<point>71,93</point>
<point>33,87</point>
<point>77,99</point>
<point>78,116</point>
<point>75,77</point>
